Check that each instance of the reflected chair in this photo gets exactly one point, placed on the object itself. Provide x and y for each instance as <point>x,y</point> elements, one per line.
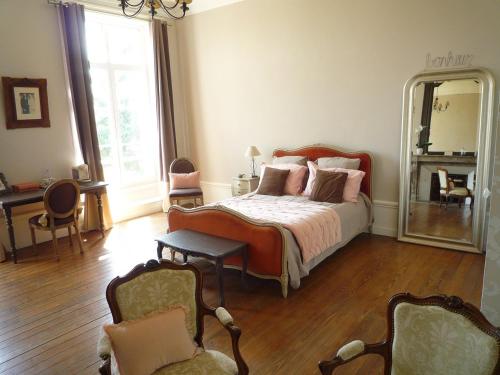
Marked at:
<point>61,201</point>
<point>432,335</point>
<point>183,165</point>
<point>447,189</point>
<point>156,286</point>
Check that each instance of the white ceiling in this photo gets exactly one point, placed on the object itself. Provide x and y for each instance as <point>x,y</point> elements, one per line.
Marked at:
<point>198,6</point>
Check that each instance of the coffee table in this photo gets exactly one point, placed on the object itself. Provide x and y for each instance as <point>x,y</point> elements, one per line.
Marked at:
<point>189,242</point>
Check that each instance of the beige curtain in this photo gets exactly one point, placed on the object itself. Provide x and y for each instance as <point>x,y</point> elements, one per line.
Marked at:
<point>164,102</point>
<point>72,18</point>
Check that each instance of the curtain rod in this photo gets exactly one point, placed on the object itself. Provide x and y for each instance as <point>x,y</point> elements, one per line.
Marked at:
<point>104,9</point>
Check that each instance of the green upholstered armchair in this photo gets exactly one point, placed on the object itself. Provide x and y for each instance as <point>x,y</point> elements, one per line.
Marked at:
<point>435,335</point>
<point>157,285</point>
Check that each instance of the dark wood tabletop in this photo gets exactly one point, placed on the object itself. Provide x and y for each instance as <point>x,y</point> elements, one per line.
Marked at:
<point>197,242</point>
<point>19,199</point>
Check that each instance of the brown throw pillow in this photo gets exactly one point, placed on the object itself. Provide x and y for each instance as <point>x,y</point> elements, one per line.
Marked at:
<point>273,181</point>
<point>328,186</point>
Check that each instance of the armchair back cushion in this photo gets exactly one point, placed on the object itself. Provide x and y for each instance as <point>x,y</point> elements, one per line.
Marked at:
<point>159,290</point>
<point>434,340</point>
<point>147,344</point>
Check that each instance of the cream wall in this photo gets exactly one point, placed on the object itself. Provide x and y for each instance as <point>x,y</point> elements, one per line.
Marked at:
<point>30,47</point>
<point>289,73</point>
<point>456,128</point>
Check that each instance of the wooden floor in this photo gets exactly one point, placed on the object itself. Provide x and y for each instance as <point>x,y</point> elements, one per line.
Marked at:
<point>430,219</point>
<point>50,312</point>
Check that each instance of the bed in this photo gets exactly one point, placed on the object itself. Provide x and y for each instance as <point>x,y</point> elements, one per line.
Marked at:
<point>274,252</point>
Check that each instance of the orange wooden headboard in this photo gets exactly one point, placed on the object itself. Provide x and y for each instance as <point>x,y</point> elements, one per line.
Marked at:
<point>319,151</point>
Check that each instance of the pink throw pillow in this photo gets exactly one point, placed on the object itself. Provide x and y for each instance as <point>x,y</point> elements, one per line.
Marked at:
<point>352,185</point>
<point>184,180</point>
<point>295,179</point>
<point>144,345</point>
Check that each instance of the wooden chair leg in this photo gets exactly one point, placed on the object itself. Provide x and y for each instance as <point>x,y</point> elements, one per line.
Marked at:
<point>78,237</point>
<point>202,202</point>
<point>70,237</point>
<point>54,243</point>
<point>33,240</point>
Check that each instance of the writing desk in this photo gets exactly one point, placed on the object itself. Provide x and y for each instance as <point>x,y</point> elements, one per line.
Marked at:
<point>10,200</point>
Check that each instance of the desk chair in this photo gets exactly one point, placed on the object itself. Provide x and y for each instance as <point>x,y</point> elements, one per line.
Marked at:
<point>183,165</point>
<point>61,201</point>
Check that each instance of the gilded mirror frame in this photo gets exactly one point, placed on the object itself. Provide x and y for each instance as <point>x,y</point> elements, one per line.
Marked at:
<point>485,158</point>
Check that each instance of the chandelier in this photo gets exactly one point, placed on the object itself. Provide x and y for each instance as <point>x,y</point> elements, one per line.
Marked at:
<point>439,106</point>
<point>177,8</point>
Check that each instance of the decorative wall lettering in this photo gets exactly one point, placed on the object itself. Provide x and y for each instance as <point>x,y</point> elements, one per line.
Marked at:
<point>448,61</point>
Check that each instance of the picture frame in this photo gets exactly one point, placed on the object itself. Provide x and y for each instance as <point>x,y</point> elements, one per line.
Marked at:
<point>4,186</point>
<point>26,103</point>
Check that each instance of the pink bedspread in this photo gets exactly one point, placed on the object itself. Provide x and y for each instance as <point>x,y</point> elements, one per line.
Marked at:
<point>316,227</point>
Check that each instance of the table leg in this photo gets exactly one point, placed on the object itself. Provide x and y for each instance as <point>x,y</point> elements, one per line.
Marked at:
<point>99,210</point>
<point>159,250</point>
<point>219,266</point>
<point>244,267</point>
<point>10,228</point>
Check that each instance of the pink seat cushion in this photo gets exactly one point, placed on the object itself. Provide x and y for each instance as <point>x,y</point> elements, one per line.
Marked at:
<point>352,185</point>
<point>184,180</point>
<point>294,182</point>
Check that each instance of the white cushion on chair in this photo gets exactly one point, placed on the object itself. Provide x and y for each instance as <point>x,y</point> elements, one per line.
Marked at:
<point>459,191</point>
<point>351,349</point>
<point>433,340</point>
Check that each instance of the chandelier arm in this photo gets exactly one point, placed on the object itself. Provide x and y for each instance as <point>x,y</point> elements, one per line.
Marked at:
<point>165,7</point>
<point>128,3</point>
<point>167,10</point>
<point>135,13</point>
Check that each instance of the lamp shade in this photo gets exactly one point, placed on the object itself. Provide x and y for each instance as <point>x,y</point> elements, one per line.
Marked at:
<point>251,152</point>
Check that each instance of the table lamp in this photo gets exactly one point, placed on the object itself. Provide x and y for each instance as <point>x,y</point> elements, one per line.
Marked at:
<point>252,152</point>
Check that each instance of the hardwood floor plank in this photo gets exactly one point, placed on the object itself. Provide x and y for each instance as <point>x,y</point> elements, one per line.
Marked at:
<point>51,313</point>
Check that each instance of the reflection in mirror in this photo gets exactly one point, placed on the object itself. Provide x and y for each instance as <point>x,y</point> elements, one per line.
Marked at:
<point>446,158</point>
<point>444,149</point>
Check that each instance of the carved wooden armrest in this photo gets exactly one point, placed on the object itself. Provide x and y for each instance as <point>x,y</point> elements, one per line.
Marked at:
<point>351,351</point>
<point>227,321</point>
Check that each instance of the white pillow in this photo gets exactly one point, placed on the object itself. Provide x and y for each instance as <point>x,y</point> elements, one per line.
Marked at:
<point>339,162</point>
<point>300,160</point>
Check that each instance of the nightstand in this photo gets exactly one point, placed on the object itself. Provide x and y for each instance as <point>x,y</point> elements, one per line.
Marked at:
<point>244,185</point>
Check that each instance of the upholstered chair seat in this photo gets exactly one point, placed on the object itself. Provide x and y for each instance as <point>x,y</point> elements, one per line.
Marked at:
<point>458,191</point>
<point>435,335</point>
<point>157,286</point>
<point>185,192</point>
<point>209,362</point>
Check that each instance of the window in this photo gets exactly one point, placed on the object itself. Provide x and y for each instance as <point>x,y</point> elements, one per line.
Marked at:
<point>121,60</point>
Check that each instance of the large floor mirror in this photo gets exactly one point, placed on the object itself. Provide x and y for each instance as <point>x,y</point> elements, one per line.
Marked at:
<point>446,159</point>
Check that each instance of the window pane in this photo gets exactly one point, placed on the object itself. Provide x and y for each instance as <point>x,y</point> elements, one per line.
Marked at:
<point>103,114</point>
<point>96,44</point>
<point>125,45</point>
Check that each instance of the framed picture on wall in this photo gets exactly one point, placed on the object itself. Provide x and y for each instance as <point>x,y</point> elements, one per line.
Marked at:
<point>26,103</point>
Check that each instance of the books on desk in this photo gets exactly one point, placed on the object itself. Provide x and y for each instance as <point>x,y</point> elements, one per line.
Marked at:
<point>26,186</point>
